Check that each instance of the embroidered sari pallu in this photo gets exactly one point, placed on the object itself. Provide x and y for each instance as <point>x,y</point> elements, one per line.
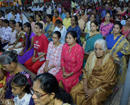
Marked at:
<point>122,45</point>
<point>103,76</point>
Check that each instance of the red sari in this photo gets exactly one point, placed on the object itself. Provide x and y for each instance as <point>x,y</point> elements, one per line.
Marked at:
<point>72,61</point>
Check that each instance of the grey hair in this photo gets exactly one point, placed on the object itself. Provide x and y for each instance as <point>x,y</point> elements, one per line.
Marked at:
<point>102,42</point>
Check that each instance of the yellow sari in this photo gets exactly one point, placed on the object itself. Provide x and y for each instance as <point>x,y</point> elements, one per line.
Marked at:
<point>103,76</point>
<point>122,45</point>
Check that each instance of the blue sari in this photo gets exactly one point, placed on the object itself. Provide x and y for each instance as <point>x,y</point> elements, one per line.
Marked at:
<point>46,32</point>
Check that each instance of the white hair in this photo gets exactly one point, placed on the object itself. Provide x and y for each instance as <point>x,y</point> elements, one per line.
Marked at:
<point>102,42</point>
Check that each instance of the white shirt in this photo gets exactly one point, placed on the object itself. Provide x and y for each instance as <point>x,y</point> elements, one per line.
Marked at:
<point>48,10</point>
<point>24,101</point>
<point>63,33</point>
<point>9,16</point>
<point>13,37</point>
<point>1,31</point>
<point>17,17</point>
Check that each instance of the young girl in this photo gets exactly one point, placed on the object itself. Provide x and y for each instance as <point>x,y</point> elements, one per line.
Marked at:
<point>21,91</point>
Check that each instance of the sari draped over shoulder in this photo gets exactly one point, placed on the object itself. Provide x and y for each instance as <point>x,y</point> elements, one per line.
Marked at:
<point>49,27</point>
<point>126,33</point>
<point>103,76</point>
<point>8,94</point>
<point>122,45</point>
<point>90,40</point>
<point>106,29</point>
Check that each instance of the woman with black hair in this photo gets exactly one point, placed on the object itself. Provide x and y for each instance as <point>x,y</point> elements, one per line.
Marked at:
<point>49,27</point>
<point>9,63</point>
<point>12,24</point>
<point>67,20</point>
<point>61,28</point>
<point>46,91</point>
<point>53,59</point>
<point>56,17</point>
<point>71,62</point>
<point>39,19</point>
<point>74,27</point>
<point>119,47</point>
<point>20,42</point>
<point>31,20</point>
<point>40,50</point>
<point>28,49</point>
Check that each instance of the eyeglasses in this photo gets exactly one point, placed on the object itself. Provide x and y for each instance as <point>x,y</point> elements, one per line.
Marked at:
<point>54,38</point>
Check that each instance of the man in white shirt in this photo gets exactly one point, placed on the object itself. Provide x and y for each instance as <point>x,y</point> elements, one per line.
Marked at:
<point>48,10</point>
<point>9,15</point>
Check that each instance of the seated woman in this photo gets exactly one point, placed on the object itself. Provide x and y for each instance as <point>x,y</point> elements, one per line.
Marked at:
<point>56,17</point>
<point>9,63</point>
<point>20,41</point>
<point>49,27</point>
<point>71,62</point>
<point>28,49</point>
<point>47,85</point>
<point>126,29</point>
<point>31,20</point>
<point>53,59</point>
<point>119,47</point>
<point>87,28</point>
<point>12,24</point>
<point>39,19</point>
<point>67,20</point>
<point>106,27</point>
<point>74,27</point>
<point>40,50</point>
<point>99,77</point>
<point>61,28</point>
<point>91,37</point>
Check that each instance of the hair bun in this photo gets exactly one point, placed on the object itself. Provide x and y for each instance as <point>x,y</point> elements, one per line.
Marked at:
<point>14,52</point>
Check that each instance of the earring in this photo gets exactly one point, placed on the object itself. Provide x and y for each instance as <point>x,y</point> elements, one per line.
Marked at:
<point>51,98</point>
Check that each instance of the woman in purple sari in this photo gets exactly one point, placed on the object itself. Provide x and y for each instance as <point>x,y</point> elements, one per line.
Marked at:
<point>28,49</point>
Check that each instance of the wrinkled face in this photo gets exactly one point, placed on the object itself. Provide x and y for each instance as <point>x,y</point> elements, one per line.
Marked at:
<point>70,40</point>
<point>26,29</point>
<point>99,51</point>
<point>92,18</point>
<point>107,17</point>
<point>55,39</point>
<point>93,27</point>
<point>40,97</point>
<point>116,29</point>
<point>16,90</point>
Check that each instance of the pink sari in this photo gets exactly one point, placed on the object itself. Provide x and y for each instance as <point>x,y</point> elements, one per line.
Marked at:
<point>126,33</point>
<point>72,61</point>
<point>106,29</point>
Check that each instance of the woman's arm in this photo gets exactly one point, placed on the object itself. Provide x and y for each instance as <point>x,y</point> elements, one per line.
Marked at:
<point>22,45</point>
<point>84,44</point>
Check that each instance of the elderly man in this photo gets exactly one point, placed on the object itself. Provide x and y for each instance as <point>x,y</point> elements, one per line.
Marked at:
<point>103,14</point>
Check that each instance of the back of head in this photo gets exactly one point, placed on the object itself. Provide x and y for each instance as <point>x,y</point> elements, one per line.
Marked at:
<point>49,84</point>
<point>8,56</point>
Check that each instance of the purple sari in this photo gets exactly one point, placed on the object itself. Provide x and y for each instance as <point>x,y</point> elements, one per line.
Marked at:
<point>29,54</point>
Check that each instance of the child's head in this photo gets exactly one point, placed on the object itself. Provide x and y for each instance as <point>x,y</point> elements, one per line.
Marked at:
<point>20,84</point>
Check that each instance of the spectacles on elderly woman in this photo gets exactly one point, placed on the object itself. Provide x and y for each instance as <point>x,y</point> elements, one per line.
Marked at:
<point>38,95</point>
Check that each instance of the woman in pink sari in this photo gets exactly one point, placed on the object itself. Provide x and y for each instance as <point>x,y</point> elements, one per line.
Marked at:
<point>107,26</point>
<point>126,29</point>
<point>71,62</point>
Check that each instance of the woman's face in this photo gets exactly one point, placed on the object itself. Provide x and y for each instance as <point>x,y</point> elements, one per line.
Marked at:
<point>128,22</point>
<point>26,29</point>
<point>73,22</point>
<point>67,15</point>
<point>30,19</point>
<point>56,15</point>
<point>47,19</point>
<point>17,27</point>
<point>11,24</point>
<point>92,18</point>
<point>37,18</point>
<point>107,17</point>
<point>37,29</point>
<point>93,27</point>
<point>116,29</point>
<point>9,67</point>
<point>99,51</point>
<point>40,97</point>
<point>70,40</point>
<point>55,39</point>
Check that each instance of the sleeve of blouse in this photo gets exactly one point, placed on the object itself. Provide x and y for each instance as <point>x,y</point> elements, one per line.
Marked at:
<point>45,44</point>
<point>62,57</point>
<point>120,54</point>
<point>6,36</point>
<point>80,57</point>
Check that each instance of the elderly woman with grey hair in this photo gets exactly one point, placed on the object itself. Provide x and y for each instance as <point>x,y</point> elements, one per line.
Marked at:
<point>99,77</point>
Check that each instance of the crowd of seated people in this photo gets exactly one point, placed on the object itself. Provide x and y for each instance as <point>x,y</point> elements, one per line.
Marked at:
<point>47,40</point>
